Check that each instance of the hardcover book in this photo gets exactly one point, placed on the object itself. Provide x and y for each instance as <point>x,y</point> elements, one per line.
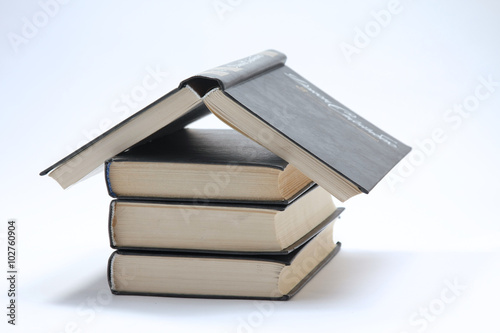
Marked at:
<point>273,105</point>
<point>209,275</point>
<point>219,227</point>
<point>204,165</point>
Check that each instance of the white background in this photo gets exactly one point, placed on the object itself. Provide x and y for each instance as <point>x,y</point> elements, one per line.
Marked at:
<point>431,224</point>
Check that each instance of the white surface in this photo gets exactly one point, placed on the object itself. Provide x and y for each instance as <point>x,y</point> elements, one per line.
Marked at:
<point>403,245</point>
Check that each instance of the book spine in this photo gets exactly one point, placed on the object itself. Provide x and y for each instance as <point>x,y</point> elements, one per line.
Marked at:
<point>109,272</point>
<point>107,165</point>
<point>111,232</point>
<point>235,72</point>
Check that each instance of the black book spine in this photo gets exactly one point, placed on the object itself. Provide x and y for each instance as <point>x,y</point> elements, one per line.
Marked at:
<point>107,165</point>
<point>235,72</point>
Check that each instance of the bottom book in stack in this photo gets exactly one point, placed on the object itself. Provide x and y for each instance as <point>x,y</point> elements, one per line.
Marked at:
<point>212,275</point>
<point>220,250</point>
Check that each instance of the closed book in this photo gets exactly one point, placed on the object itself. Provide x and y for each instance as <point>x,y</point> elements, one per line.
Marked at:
<point>271,104</point>
<point>204,165</point>
<point>219,227</point>
<point>210,275</point>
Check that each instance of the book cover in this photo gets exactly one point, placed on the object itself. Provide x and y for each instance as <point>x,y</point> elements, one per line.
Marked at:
<point>218,165</point>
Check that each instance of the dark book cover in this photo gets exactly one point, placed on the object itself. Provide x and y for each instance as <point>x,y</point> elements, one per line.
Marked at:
<point>202,146</point>
<point>311,119</point>
<point>328,130</point>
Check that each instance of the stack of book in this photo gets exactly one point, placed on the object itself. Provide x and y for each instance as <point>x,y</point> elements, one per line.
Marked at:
<point>243,213</point>
<point>210,213</point>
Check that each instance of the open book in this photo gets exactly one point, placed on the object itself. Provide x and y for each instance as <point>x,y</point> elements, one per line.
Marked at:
<point>271,104</point>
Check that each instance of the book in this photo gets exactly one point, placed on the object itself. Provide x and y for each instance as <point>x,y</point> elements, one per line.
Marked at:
<point>180,274</point>
<point>219,227</point>
<point>204,165</point>
<point>271,104</point>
